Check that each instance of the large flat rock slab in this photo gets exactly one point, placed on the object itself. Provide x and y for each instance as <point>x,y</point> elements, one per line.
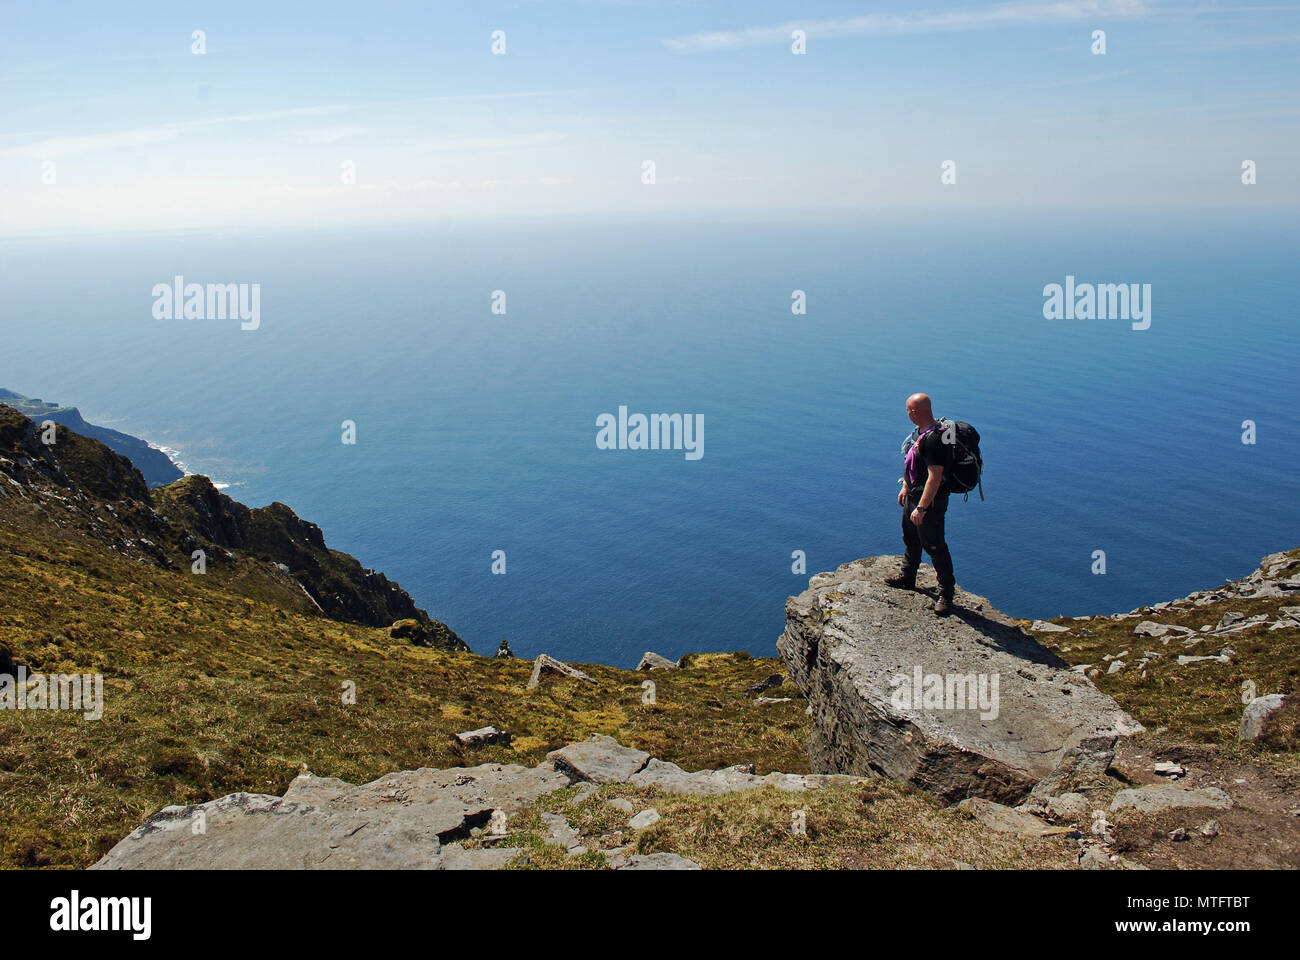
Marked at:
<point>995,714</point>
<point>411,820</point>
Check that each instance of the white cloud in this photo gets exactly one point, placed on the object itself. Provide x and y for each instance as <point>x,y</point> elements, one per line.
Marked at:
<point>882,24</point>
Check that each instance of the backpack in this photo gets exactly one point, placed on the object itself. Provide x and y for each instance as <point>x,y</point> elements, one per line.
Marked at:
<point>968,466</point>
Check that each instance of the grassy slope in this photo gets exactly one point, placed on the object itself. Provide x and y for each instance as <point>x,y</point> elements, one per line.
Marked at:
<point>208,691</point>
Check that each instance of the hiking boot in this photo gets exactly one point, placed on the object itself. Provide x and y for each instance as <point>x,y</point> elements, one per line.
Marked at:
<point>943,606</point>
<point>901,582</point>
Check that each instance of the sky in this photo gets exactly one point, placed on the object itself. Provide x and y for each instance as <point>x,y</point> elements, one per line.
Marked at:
<point>320,114</point>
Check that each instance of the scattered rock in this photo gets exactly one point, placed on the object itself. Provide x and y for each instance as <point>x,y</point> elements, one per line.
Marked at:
<point>766,701</point>
<point>670,778</point>
<point>1228,619</point>
<point>1161,797</point>
<point>1045,626</point>
<point>1094,858</point>
<point>754,689</point>
<point>1148,628</point>
<point>482,736</point>
<point>1004,819</point>
<point>622,803</point>
<point>600,760</point>
<point>1257,713</point>
<point>646,818</point>
<point>1065,808</point>
<point>1210,828</point>
<point>659,861</point>
<point>1179,834</point>
<point>544,662</point>
<point>1166,768</point>
<point>560,831</point>
<point>584,791</point>
<point>1115,667</point>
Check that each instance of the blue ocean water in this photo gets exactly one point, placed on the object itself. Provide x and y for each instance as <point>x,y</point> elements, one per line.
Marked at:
<point>476,431</point>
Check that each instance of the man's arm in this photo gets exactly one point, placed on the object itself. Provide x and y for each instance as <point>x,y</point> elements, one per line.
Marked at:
<point>933,480</point>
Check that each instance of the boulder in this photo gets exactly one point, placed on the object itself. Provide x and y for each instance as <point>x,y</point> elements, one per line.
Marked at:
<point>856,648</point>
<point>652,661</point>
<point>1257,713</point>
<point>544,662</point>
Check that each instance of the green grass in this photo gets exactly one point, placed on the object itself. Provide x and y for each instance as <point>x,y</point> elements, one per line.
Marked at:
<point>210,691</point>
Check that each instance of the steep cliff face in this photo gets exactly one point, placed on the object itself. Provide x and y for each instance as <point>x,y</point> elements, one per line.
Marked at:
<point>154,465</point>
<point>71,461</point>
<point>166,525</point>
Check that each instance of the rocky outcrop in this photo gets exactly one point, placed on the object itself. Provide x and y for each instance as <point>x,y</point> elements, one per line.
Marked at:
<point>420,819</point>
<point>167,524</point>
<point>408,820</point>
<point>964,706</point>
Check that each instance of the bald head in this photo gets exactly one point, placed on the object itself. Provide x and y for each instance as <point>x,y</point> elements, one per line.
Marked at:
<point>918,410</point>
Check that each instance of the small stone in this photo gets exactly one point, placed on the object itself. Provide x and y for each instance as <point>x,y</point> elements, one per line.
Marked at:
<point>659,861</point>
<point>621,803</point>
<point>1148,628</point>
<point>1116,666</point>
<point>1043,626</point>
<point>1093,858</point>
<point>1210,828</point>
<point>646,818</point>
<point>484,736</point>
<point>1179,834</point>
<point>1167,769</point>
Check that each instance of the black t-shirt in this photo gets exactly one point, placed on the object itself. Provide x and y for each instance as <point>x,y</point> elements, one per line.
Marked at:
<point>933,452</point>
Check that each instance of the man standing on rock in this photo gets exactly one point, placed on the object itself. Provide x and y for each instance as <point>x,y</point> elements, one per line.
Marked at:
<point>924,500</point>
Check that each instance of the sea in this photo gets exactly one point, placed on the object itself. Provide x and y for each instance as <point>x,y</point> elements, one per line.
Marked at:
<point>471,361</point>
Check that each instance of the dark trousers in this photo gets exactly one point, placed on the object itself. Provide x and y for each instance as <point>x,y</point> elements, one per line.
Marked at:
<point>928,536</point>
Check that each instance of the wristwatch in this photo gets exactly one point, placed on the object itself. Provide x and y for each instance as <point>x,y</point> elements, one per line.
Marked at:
<point>921,508</point>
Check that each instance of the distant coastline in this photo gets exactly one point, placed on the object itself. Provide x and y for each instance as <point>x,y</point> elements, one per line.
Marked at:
<point>159,465</point>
